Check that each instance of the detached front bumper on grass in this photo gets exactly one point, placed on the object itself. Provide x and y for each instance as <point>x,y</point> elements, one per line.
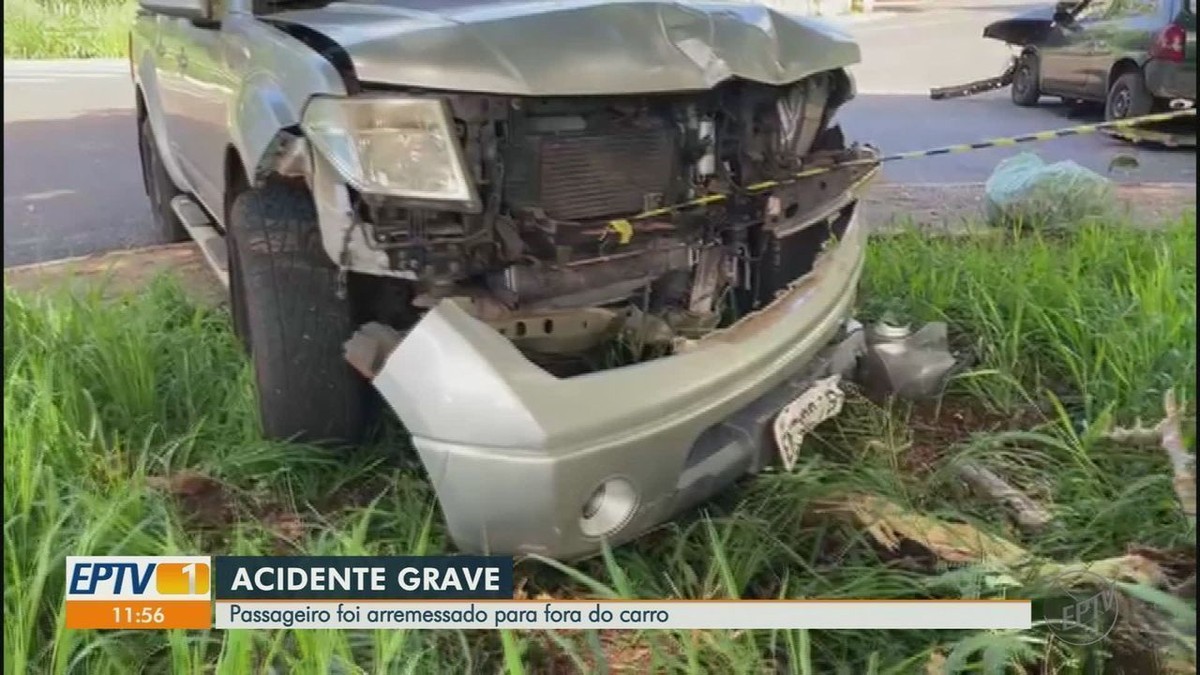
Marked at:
<point>526,462</point>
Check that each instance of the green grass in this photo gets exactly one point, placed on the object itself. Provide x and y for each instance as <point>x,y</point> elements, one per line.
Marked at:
<point>101,397</point>
<point>75,29</point>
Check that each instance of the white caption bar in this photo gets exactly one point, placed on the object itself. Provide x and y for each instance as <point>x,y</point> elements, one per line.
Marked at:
<point>679,614</point>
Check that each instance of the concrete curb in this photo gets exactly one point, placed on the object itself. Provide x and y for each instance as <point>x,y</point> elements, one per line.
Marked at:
<point>33,268</point>
<point>938,206</point>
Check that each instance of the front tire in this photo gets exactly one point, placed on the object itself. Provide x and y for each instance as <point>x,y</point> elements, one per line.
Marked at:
<point>283,295</point>
<point>159,188</point>
<point>1026,87</point>
<point>1128,97</point>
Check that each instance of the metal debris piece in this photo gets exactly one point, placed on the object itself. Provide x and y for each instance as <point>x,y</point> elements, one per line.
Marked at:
<point>1124,162</point>
<point>369,347</point>
<point>692,324</point>
<point>977,87</point>
<point>908,364</point>
<point>708,277</point>
<point>1163,138</point>
<point>848,350</point>
<point>641,328</point>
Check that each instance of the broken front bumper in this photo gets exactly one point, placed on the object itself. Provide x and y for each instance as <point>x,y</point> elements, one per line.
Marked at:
<point>524,462</point>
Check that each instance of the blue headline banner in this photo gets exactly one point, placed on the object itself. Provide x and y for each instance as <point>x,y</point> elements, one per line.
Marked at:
<point>362,577</point>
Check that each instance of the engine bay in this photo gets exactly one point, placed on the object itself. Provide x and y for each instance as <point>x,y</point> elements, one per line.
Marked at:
<point>539,262</point>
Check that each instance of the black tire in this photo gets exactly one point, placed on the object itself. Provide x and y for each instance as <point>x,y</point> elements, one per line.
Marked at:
<point>1026,85</point>
<point>160,189</point>
<point>237,297</point>
<point>1128,97</point>
<point>283,295</point>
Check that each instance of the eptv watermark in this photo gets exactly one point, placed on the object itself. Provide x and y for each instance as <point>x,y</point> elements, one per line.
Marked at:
<point>1084,612</point>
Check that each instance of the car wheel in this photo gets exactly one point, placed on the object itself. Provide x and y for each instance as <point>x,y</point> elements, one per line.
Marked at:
<point>159,188</point>
<point>1025,88</point>
<point>1128,97</point>
<point>237,298</point>
<point>283,292</point>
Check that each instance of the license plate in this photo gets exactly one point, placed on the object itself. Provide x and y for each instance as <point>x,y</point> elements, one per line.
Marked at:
<point>820,402</point>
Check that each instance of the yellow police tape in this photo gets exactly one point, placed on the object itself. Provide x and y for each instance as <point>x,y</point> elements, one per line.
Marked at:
<point>624,227</point>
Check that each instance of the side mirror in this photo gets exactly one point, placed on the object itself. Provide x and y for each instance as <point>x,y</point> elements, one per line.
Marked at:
<point>196,10</point>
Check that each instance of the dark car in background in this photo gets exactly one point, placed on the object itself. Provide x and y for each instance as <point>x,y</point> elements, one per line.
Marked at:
<point>1135,56</point>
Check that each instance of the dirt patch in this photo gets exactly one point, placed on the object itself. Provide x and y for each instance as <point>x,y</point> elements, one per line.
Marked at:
<point>887,206</point>
<point>616,652</point>
<point>203,502</point>
<point>210,508</point>
<point>937,428</point>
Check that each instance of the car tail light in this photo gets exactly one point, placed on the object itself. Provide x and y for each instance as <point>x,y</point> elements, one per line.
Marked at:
<point>1169,43</point>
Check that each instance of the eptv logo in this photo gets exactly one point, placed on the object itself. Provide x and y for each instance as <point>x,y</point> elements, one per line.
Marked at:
<point>136,577</point>
<point>138,592</point>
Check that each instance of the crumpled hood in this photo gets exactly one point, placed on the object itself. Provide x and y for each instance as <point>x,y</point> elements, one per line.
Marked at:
<point>576,47</point>
<point>1031,27</point>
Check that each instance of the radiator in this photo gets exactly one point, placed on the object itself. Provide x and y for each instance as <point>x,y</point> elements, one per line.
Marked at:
<point>590,174</point>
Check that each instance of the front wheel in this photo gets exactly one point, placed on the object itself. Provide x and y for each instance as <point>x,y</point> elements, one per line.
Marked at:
<point>283,290</point>
<point>1026,91</point>
<point>1128,97</point>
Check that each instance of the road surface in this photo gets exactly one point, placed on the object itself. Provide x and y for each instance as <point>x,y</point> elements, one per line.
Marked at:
<point>940,44</point>
<point>72,184</point>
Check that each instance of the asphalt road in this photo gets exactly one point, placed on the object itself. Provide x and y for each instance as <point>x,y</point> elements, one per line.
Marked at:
<point>72,185</point>
<point>938,44</point>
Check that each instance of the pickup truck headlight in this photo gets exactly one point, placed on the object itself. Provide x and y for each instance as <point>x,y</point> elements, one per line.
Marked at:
<point>403,147</point>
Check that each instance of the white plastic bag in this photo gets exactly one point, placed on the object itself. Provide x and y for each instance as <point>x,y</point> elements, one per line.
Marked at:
<point>1025,190</point>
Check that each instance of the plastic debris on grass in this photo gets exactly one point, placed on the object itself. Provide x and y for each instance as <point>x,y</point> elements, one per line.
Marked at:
<point>1024,190</point>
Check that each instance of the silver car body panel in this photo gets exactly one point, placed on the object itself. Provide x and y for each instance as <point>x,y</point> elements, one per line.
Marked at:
<point>582,47</point>
<point>145,39</point>
<point>237,87</point>
<point>514,452</point>
<point>247,80</point>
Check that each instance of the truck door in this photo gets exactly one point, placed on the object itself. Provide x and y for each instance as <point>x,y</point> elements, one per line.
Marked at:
<point>1070,72</point>
<point>166,71</point>
<point>1126,29</point>
<point>204,86</point>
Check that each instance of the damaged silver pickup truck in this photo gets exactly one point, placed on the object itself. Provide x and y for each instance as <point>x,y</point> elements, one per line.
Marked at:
<point>467,206</point>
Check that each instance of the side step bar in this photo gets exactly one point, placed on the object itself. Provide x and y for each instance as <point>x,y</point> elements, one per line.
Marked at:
<point>210,241</point>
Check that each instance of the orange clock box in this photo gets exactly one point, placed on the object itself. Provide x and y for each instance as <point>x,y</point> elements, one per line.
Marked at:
<point>133,614</point>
